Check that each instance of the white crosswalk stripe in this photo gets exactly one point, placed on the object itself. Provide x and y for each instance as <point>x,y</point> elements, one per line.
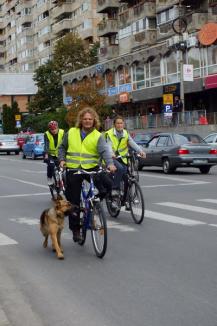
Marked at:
<point>191,208</point>
<point>208,200</point>
<point>5,240</point>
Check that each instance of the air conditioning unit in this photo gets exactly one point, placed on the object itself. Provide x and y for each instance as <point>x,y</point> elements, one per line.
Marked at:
<point>198,20</point>
<point>192,41</point>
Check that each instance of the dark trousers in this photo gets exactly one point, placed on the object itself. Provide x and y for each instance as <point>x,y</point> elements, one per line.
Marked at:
<point>52,161</point>
<point>73,193</point>
<point>119,173</point>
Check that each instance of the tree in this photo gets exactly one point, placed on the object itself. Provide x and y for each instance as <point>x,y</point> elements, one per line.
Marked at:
<point>70,54</point>
<point>9,124</point>
<point>86,94</point>
<point>49,95</point>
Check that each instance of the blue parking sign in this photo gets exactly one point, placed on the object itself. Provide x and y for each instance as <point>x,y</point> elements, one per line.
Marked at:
<point>168,110</point>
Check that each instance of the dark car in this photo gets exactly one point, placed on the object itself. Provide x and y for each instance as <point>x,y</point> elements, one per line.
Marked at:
<point>34,146</point>
<point>171,150</point>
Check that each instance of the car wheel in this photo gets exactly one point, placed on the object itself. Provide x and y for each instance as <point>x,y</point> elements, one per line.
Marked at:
<point>167,167</point>
<point>33,156</point>
<point>8,153</point>
<point>24,156</point>
<point>204,169</point>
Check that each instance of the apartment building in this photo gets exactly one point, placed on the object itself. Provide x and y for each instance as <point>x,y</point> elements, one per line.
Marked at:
<point>142,45</point>
<point>29,29</point>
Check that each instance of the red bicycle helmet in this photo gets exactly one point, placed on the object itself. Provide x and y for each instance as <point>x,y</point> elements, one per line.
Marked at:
<point>53,125</point>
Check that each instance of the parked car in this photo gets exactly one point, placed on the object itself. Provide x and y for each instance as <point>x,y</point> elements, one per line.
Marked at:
<point>171,150</point>
<point>8,144</point>
<point>142,138</point>
<point>21,138</point>
<point>34,146</point>
<point>211,139</point>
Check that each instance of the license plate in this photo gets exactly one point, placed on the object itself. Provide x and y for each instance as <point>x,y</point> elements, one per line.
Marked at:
<point>200,161</point>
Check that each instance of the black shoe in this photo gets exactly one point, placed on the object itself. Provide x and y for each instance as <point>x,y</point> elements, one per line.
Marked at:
<point>76,235</point>
<point>127,206</point>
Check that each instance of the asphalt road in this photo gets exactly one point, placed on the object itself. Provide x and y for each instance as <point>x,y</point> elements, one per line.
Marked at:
<point>160,273</point>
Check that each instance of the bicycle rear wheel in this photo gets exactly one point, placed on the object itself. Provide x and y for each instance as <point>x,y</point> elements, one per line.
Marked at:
<point>137,203</point>
<point>113,206</point>
<point>99,230</point>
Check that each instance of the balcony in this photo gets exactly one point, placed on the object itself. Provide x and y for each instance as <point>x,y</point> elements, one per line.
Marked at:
<point>25,19</point>
<point>147,9</point>
<point>44,7</point>
<point>60,10</point>
<point>107,28</point>
<point>196,21</point>
<point>86,33</point>
<point>104,6</point>
<point>161,5</point>
<point>108,52</point>
<point>65,24</point>
<point>23,5</point>
<point>146,37</point>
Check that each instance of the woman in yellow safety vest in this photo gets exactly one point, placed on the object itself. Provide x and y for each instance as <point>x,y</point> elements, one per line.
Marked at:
<point>83,147</point>
<point>52,139</point>
<point>120,141</point>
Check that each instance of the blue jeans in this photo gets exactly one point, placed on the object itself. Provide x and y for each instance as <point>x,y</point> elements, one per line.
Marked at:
<point>119,173</point>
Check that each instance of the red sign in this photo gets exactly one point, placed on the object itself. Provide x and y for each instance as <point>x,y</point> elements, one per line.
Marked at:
<point>208,34</point>
<point>211,82</point>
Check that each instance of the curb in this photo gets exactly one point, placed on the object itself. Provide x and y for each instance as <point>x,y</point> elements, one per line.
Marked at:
<point>3,319</point>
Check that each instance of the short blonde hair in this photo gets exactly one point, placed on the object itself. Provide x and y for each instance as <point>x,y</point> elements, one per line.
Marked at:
<point>90,110</point>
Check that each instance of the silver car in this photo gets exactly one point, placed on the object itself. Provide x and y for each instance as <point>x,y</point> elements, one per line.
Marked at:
<point>171,151</point>
<point>8,144</point>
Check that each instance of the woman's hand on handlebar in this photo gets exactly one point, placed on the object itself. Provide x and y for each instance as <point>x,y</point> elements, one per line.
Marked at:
<point>62,164</point>
<point>112,168</point>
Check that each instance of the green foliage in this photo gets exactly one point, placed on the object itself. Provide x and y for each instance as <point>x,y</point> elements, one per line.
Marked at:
<point>70,54</point>
<point>39,122</point>
<point>9,123</point>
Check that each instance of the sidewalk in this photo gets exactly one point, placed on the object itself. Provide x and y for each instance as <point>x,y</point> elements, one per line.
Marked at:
<point>3,318</point>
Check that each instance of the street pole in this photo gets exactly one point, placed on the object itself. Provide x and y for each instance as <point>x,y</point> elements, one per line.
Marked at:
<point>182,91</point>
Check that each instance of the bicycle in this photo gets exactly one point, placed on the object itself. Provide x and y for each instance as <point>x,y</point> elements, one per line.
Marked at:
<point>132,195</point>
<point>58,177</point>
<point>93,216</point>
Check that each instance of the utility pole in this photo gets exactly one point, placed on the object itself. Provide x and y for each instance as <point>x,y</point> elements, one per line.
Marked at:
<point>181,63</point>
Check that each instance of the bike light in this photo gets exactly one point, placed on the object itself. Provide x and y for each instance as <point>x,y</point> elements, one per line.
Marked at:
<point>182,151</point>
<point>213,151</point>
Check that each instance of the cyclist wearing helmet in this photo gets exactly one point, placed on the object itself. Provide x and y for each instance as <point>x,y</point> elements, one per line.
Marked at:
<point>52,140</point>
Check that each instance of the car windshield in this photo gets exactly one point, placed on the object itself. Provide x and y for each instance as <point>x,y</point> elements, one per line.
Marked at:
<point>142,137</point>
<point>188,138</point>
<point>7,137</point>
<point>40,138</point>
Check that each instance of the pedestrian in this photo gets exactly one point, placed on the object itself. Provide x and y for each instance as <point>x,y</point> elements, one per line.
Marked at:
<point>177,108</point>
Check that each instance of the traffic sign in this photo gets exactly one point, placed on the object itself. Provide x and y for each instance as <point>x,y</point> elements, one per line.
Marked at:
<point>168,110</point>
<point>168,99</point>
<point>18,124</point>
<point>17,117</point>
<point>67,100</point>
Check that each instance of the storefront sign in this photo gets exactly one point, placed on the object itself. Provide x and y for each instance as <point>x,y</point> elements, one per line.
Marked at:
<point>172,89</point>
<point>208,34</point>
<point>211,82</point>
<point>112,91</point>
<point>168,99</point>
<point>188,73</point>
<point>120,89</point>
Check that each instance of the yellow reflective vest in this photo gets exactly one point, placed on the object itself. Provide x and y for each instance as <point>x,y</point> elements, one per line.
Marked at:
<point>119,146</point>
<point>52,150</point>
<point>82,153</point>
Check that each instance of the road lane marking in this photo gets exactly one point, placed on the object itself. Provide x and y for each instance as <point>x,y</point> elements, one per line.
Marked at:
<point>22,181</point>
<point>168,218</point>
<point>175,184</point>
<point>31,171</point>
<point>172,178</point>
<point>25,195</point>
<point>212,201</point>
<point>5,240</point>
<point>189,208</point>
<point>25,220</point>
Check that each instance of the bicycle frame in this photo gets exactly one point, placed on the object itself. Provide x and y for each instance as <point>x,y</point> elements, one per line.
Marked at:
<point>87,196</point>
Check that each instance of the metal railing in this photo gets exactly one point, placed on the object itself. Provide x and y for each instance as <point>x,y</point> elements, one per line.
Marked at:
<point>177,119</point>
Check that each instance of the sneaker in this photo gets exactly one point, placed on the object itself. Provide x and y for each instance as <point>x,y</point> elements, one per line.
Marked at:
<point>115,193</point>
<point>114,205</point>
<point>49,181</point>
<point>127,206</point>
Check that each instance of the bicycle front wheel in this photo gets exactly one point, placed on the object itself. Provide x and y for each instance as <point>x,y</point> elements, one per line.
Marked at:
<point>113,206</point>
<point>99,230</point>
<point>137,203</point>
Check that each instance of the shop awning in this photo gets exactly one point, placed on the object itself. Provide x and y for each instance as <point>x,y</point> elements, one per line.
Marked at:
<point>211,82</point>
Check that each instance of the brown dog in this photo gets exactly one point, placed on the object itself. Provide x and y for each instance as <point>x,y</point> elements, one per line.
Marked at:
<point>52,223</point>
